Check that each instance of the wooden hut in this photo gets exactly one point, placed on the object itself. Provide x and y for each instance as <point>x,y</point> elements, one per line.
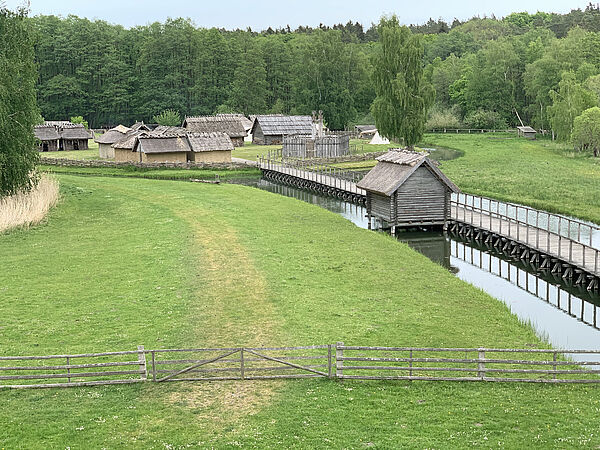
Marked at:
<point>110,137</point>
<point>48,137</point>
<point>406,188</point>
<point>270,129</point>
<point>365,131</point>
<point>526,132</point>
<point>163,148</point>
<point>125,149</point>
<point>209,147</point>
<point>73,137</point>
<point>229,124</point>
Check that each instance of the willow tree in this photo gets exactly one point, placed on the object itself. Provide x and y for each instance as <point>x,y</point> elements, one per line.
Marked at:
<point>18,108</point>
<point>403,93</point>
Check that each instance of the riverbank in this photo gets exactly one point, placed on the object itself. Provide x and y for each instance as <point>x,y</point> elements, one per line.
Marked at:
<point>184,264</point>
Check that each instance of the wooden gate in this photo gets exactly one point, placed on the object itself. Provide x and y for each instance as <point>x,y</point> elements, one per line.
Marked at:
<point>241,363</point>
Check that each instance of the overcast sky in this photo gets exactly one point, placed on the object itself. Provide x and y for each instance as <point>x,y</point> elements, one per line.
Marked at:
<point>260,14</point>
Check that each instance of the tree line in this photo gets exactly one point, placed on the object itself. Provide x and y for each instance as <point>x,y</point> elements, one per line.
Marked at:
<point>544,66</point>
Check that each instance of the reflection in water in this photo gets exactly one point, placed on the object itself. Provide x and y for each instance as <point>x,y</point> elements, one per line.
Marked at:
<point>566,318</point>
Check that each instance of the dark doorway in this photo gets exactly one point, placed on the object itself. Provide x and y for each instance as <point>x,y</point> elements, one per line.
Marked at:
<point>75,145</point>
<point>45,147</point>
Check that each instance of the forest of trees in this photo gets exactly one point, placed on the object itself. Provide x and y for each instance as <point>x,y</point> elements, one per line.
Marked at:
<point>545,66</point>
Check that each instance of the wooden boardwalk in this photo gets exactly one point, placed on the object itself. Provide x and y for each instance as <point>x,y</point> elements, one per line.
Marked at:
<point>317,174</point>
<point>570,241</point>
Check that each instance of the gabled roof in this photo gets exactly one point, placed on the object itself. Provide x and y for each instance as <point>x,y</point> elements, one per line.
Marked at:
<point>163,144</point>
<point>209,142</point>
<point>366,128</point>
<point>224,123</point>
<point>46,133</point>
<point>395,167</point>
<point>140,126</point>
<point>129,140</point>
<point>246,123</point>
<point>163,129</point>
<point>57,123</point>
<point>278,124</point>
<point>526,130</point>
<point>74,131</point>
<point>113,135</point>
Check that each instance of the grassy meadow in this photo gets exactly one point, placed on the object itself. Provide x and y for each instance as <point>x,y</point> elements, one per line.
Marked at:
<point>127,261</point>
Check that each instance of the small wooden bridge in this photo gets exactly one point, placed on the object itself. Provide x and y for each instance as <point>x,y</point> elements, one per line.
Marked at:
<point>562,245</point>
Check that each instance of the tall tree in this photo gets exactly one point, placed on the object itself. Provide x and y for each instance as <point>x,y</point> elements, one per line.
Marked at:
<point>249,88</point>
<point>18,108</point>
<point>568,102</point>
<point>403,94</point>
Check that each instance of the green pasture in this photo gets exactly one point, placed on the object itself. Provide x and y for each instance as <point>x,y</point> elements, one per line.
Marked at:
<point>123,261</point>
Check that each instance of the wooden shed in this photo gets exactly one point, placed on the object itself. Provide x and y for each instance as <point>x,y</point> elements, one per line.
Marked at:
<point>526,132</point>
<point>229,124</point>
<point>48,137</point>
<point>125,149</point>
<point>270,129</point>
<point>209,147</point>
<point>406,188</point>
<point>73,137</point>
<point>110,137</point>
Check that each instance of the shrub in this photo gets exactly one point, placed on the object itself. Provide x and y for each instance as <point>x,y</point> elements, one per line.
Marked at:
<point>169,118</point>
<point>482,119</point>
<point>443,118</point>
<point>586,131</point>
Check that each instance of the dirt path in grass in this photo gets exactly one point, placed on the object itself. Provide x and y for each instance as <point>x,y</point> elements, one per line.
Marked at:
<point>232,310</point>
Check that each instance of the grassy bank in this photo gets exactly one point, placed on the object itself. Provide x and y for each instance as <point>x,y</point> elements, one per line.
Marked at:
<point>540,173</point>
<point>124,262</point>
<point>150,173</point>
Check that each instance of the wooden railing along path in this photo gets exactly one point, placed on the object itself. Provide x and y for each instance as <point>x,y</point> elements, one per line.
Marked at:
<point>567,239</point>
<point>333,361</point>
<point>322,174</point>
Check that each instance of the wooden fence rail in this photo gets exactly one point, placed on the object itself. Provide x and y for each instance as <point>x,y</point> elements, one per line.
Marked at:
<point>337,361</point>
<point>568,239</point>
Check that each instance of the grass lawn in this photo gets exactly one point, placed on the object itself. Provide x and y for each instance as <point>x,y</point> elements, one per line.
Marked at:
<point>540,173</point>
<point>122,262</point>
<point>250,151</point>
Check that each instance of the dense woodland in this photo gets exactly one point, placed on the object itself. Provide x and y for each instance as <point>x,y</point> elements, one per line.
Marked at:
<point>545,66</point>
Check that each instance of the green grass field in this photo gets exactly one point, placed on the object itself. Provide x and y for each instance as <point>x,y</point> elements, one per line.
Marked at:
<point>122,262</point>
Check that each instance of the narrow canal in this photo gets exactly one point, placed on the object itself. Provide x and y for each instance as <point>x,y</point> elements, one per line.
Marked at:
<point>567,317</point>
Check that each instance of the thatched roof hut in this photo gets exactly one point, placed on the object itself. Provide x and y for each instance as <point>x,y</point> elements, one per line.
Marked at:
<point>106,140</point>
<point>210,147</point>
<point>48,136</point>
<point>406,188</point>
<point>270,129</point>
<point>230,124</point>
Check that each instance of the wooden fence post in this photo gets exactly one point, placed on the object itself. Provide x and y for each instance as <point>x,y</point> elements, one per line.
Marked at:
<point>68,369</point>
<point>142,361</point>
<point>329,357</point>
<point>554,365</point>
<point>339,363</point>
<point>481,364</point>
<point>153,367</point>
<point>242,367</point>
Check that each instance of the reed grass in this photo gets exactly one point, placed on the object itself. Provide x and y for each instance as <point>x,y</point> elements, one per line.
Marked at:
<point>29,208</point>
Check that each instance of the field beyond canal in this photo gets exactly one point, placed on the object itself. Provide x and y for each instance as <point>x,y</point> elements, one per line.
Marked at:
<point>122,262</point>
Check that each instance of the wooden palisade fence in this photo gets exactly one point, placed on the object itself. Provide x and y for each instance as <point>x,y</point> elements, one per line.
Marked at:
<point>337,361</point>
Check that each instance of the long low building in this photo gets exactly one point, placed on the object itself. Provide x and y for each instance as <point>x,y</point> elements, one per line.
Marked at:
<point>270,129</point>
<point>61,135</point>
<point>173,145</point>
<point>230,124</point>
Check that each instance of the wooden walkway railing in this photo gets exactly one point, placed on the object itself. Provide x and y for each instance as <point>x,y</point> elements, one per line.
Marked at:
<point>337,361</point>
<point>323,174</point>
<point>567,239</point>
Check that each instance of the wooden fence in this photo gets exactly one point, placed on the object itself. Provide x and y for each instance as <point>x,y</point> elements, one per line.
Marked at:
<point>85,369</point>
<point>469,130</point>
<point>337,361</point>
<point>466,364</point>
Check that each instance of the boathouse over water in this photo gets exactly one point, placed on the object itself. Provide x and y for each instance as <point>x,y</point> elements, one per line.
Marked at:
<point>406,188</point>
